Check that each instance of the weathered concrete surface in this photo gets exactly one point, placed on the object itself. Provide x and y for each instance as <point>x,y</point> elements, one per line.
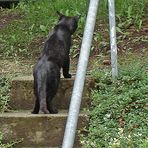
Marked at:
<point>22,96</point>
<point>41,130</point>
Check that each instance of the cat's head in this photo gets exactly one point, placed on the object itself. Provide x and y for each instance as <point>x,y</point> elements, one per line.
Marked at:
<point>70,22</point>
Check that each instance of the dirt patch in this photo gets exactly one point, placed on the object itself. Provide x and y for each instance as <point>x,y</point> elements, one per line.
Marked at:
<point>17,66</point>
<point>130,39</point>
<point>36,46</point>
<point>134,40</point>
<point>6,19</point>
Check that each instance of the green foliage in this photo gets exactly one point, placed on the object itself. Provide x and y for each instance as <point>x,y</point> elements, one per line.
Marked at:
<point>118,114</point>
<point>127,11</point>
<point>35,18</point>
<point>4,92</point>
<point>8,145</point>
<point>131,12</point>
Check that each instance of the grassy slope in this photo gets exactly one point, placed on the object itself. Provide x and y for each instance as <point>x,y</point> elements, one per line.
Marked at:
<point>32,21</point>
<point>118,113</point>
<point>36,19</point>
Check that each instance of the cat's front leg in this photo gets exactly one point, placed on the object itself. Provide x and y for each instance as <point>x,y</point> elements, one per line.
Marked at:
<point>66,64</point>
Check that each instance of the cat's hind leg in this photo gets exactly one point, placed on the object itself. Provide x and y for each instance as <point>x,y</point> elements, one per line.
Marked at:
<point>51,94</point>
<point>43,103</point>
<point>51,107</point>
<point>42,97</point>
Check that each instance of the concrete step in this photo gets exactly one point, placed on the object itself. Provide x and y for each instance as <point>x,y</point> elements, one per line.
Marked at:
<point>22,96</point>
<point>37,131</point>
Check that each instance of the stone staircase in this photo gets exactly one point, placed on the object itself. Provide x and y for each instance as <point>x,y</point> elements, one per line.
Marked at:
<point>41,130</point>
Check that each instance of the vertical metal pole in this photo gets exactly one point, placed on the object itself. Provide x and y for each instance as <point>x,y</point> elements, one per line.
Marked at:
<point>75,103</point>
<point>113,44</point>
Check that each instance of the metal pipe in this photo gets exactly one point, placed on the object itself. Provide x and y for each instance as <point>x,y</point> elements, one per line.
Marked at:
<point>71,125</point>
<point>113,44</point>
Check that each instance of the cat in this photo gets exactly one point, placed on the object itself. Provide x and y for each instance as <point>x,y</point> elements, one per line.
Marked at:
<point>54,56</point>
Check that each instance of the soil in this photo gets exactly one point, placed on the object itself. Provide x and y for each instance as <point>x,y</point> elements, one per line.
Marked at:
<point>6,19</point>
<point>136,40</point>
<point>131,40</point>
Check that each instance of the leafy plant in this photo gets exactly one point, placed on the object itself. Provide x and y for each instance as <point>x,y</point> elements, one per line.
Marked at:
<point>131,11</point>
<point>8,145</point>
<point>4,92</point>
<point>34,20</point>
<point>118,113</point>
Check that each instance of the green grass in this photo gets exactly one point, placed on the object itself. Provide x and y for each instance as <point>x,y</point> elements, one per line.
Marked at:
<point>4,92</point>
<point>131,11</point>
<point>118,113</point>
<point>38,17</point>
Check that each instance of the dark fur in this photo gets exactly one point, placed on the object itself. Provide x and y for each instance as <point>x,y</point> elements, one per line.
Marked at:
<point>55,55</point>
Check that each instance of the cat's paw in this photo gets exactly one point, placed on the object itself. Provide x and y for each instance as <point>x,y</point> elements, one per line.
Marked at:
<point>53,110</point>
<point>67,76</point>
<point>35,112</point>
<point>44,110</point>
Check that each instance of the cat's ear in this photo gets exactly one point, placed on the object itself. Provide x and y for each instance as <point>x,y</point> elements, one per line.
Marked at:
<point>60,14</point>
<point>77,18</point>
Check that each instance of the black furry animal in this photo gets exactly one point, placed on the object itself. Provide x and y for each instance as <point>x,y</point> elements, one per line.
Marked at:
<point>55,55</point>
